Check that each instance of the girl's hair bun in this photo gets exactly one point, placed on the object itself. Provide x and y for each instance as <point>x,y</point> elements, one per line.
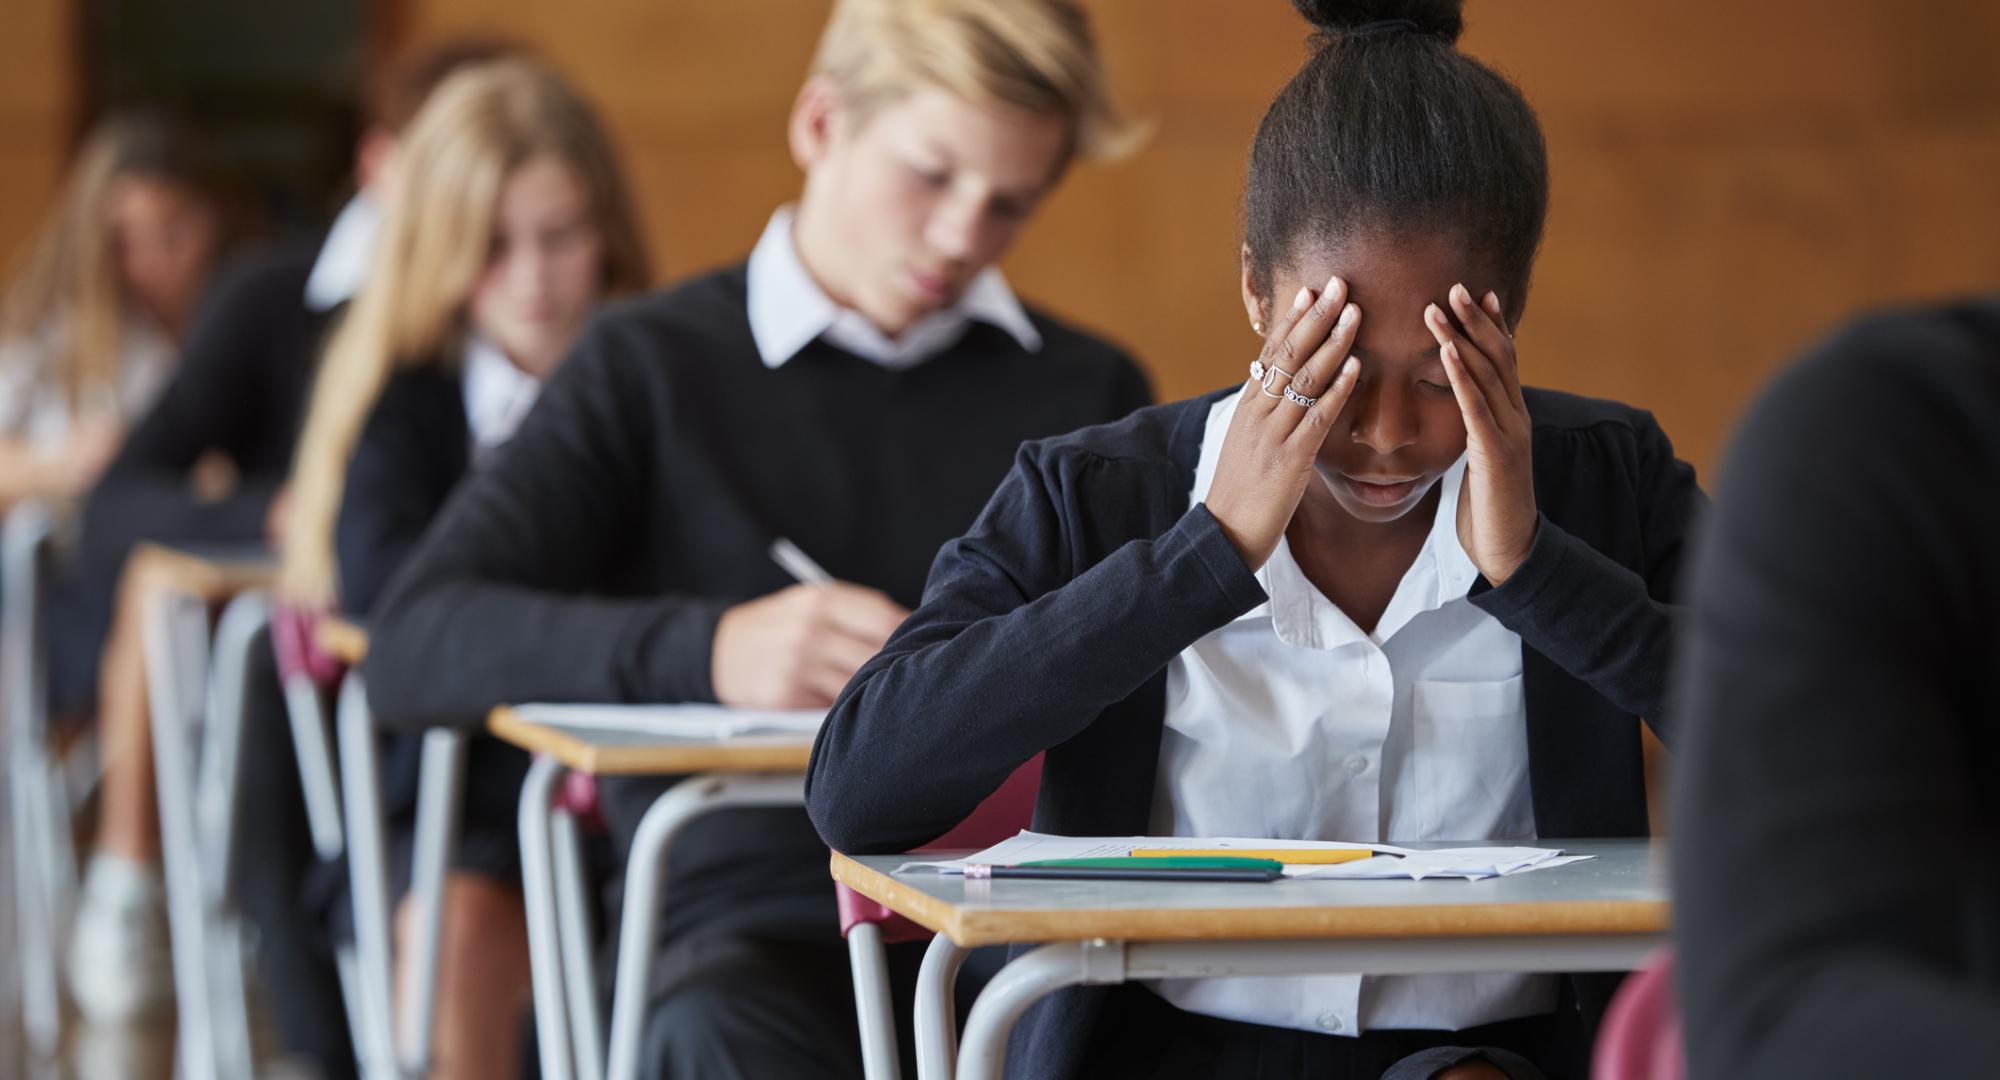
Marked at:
<point>1443,19</point>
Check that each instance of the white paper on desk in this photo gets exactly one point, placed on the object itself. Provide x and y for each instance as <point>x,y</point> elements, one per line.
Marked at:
<point>1470,863</point>
<point>677,721</point>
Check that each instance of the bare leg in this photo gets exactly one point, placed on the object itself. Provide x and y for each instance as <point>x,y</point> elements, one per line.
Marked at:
<point>483,981</point>
<point>129,824</point>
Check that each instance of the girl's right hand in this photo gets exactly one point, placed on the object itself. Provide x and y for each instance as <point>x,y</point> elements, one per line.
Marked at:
<point>1267,455</point>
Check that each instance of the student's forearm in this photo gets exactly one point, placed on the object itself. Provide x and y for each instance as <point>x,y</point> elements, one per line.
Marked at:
<point>26,473</point>
<point>1595,618</point>
<point>972,687</point>
<point>446,654</point>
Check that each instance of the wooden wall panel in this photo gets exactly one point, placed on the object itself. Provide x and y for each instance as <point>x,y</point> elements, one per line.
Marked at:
<point>1731,180</point>
<point>35,97</point>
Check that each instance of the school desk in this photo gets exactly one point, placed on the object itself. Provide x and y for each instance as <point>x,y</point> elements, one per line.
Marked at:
<point>757,770</point>
<point>1602,914</point>
<point>194,686</point>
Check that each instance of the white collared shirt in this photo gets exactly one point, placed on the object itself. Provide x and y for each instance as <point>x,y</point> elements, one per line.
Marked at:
<point>498,395</point>
<point>342,263</point>
<point>35,403</point>
<point>1292,723</point>
<point>788,310</point>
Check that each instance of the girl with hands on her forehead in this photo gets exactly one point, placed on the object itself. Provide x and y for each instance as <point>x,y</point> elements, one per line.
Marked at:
<point>1380,591</point>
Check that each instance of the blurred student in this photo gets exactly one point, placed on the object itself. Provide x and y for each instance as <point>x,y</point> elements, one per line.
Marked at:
<point>91,326</point>
<point>1381,590</point>
<point>234,407</point>
<point>852,388</point>
<point>512,222</point>
<point>1837,905</point>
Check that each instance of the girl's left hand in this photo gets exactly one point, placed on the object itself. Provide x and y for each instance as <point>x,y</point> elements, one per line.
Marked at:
<point>1496,504</point>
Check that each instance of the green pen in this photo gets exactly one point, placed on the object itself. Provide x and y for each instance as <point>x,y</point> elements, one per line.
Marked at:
<point>1130,868</point>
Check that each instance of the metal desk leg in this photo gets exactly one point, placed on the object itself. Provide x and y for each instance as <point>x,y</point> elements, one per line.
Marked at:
<point>306,712</point>
<point>669,814</point>
<point>176,643</point>
<point>367,868</point>
<point>874,1005</point>
<point>218,775</point>
<point>539,893</point>
<point>573,937</point>
<point>44,866</point>
<point>1020,984</point>
<point>438,804</point>
<point>936,1019</point>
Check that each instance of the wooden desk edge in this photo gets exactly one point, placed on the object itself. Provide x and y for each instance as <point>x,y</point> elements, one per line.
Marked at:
<point>341,640</point>
<point>970,929</point>
<point>198,574</point>
<point>578,754</point>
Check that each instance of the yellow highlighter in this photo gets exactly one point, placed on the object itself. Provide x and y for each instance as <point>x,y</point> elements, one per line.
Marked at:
<point>1295,856</point>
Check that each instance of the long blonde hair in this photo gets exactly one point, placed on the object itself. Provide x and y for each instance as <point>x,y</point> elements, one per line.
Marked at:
<point>69,280</point>
<point>481,124</point>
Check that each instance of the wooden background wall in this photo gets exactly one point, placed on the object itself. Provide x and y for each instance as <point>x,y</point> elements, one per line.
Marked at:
<point>1730,179</point>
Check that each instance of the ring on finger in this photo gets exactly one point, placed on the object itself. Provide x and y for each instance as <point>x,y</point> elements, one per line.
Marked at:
<point>1273,375</point>
<point>1299,399</point>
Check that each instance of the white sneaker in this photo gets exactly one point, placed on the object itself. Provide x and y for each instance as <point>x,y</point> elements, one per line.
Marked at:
<point>120,969</point>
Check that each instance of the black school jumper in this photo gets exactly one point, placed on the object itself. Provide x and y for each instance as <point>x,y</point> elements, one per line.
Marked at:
<point>1050,627</point>
<point>1837,903</point>
<point>590,559</point>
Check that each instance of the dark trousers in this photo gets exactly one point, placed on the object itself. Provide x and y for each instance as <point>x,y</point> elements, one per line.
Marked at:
<point>1140,1035</point>
<point>294,954</point>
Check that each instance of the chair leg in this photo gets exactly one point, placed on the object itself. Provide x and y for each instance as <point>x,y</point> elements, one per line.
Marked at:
<point>438,806</point>
<point>40,948</point>
<point>874,1005</point>
<point>367,867</point>
<point>573,928</point>
<point>176,643</point>
<point>552,1030</point>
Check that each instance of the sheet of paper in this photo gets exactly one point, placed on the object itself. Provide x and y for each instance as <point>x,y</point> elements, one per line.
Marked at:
<point>1468,862</point>
<point>678,721</point>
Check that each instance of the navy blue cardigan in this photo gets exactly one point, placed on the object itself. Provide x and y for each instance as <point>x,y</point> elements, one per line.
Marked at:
<point>1050,625</point>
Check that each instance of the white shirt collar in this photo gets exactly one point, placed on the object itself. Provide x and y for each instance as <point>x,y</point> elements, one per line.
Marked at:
<point>343,259</point>
<point>788,310</point>
<point>498,395</point>
<point>1442,571</point>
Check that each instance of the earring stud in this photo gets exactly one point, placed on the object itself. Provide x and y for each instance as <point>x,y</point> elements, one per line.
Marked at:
<point>1256,326</point>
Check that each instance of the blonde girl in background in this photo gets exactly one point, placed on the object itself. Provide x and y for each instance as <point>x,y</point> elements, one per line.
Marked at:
<point>90,325</point>
<point>513,221</point>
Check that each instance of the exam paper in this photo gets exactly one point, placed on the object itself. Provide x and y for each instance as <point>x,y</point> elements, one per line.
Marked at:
<point>1471,863</point>
<point>678,721</point>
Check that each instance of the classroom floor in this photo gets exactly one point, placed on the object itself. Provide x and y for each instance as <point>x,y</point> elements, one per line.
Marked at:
<point>141,1052</point>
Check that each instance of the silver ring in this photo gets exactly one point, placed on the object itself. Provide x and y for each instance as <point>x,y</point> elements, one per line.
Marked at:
<point>1299,399</point>
<point>1268,376</point>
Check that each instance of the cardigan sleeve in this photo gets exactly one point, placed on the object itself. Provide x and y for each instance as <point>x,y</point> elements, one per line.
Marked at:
<point>1015,649</point>
<point>1606,623</point>
<point>502,600</point>
<point>1834,817</point>
<point>214,402</point>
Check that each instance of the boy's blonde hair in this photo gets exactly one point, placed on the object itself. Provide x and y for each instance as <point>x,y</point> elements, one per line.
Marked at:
<point>1037,55</point>
<point>481,124</point>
